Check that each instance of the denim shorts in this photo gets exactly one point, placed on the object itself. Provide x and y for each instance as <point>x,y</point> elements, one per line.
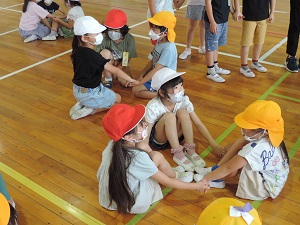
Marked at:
<point>212,41</point>
<point>160,146</point>
<point>96,98</point>
<point>148,86</point>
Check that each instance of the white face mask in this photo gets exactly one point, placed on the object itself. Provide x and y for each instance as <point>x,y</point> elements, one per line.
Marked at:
<point>251,139</point>
<point>48,2</point>
<point>144,135</point>
<point>98,38</point>
<point>176,98</point>
<point>154,36</point>
<point>114,35</point>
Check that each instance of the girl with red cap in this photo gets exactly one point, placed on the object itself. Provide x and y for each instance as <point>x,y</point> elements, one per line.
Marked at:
<point>128,176</point>
<point>118,45</point>
<point>260,154</point>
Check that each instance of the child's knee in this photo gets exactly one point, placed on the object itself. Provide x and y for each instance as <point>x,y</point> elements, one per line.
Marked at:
<point>106,54</point>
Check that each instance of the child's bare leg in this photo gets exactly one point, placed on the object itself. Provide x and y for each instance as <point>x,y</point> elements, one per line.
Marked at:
<point>244,54</point>
<point>202,36</point>
<point>256,51</point>
<point>142,92</point>
<point>190,33</point>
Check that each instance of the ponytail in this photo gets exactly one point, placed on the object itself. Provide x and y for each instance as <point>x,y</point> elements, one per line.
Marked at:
<point>119,190</point>
<point>24,9</point>
<point>75,44</point>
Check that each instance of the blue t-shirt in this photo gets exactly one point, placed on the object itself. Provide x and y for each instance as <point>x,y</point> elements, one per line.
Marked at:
<point>166,55</point>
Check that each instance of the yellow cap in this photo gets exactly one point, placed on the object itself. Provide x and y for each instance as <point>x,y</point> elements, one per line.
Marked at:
<point>218,213</point>
<point>266,115</point>
<point>166,19</point>
<point>4,210</point>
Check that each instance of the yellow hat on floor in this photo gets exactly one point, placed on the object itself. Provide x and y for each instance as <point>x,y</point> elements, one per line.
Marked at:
<point>229,211</point>
<point>4,210</point>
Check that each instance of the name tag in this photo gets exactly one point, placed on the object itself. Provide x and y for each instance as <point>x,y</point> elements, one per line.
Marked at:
<point>125,58</point>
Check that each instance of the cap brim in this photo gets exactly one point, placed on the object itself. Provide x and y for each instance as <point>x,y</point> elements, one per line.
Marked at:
<point>113,27</point>
<point>153,21</point>
<point>167,79</point>
<point>241,122</point>
<point>101,29</point>
<point>140,111</point>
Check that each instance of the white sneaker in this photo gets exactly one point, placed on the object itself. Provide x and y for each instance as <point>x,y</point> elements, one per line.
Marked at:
<point>200,162</point>
<point>186,177</point>
<point>76,107</point>
<point>201,50</point>
<point>178,169</point>
<point>80,113</point>
<point>49,38</point>
<point>258,67</point>
<point>202,171</point>
<point>217,184</point>
<point>30,38</point>
<point>215,77</point>
<point>198,177</point>
<point>221,71</point>
<point>185,54</point>
<point>247,73</point>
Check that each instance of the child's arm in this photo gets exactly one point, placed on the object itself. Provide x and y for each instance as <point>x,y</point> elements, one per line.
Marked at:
<point>209,11</point>
<point>118,72</point>
<point>205,133</point>
<point>272,11</point>
<point>152,8</point>
<point>68,24</point>
<point>151,73</point>
<point>163,179</point>
<point>232,166</point>
<point>178,3</point>
<point>45,21</point>
<point>235,11</point>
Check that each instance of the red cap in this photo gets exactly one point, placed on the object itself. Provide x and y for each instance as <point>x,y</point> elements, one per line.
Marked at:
<point>115,19</point>
<point>122,118</point>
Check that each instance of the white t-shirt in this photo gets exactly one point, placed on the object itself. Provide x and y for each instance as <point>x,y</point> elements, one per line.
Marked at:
<point>75,12</point>
<point>145,189</point>
<point>155,109</point>
<point>268,163</point>
<point>31,18</point>
<point>162,5</point>
<point>195,2</point>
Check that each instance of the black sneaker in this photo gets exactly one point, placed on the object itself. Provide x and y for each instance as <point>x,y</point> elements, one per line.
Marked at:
<point>291,64</point>
<point>108,84</point>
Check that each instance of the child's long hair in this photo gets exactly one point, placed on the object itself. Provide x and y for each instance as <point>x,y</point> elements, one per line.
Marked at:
<point>170,84</point>
<point>13,216</point>
<point>282,146</point>
<point>73,3</point>
<point>76,43</point>
<point>24,8</point>
<point>118,187</point>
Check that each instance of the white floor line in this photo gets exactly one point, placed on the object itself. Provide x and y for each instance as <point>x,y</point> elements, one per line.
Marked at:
<point>13,6</point>
<point>8,32</point>
<point>18,11</point>
<point>273,49</point>
<point>35,64</point>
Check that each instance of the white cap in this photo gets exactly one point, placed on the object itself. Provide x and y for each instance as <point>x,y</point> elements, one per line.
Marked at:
<point>163,76</point>
<point>87,25</point>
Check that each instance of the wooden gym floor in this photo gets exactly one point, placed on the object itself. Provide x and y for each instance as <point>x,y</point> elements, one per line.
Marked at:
<point>49,162</point>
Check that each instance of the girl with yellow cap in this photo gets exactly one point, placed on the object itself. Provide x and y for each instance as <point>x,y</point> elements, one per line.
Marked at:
<point>261,154</point>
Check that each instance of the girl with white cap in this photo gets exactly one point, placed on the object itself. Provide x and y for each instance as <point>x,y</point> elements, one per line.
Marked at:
<point>129,177</point>
<point>88,65</point>
<point>260,154</point>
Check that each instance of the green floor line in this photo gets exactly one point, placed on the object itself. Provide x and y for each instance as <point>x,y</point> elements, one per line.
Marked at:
<point>286,97</point>
<point>220,138</point>
<point>84,217</point>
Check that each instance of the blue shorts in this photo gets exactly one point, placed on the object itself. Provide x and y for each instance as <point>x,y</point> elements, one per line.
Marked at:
<point>148,86</point>
<point>160,146</point>
<point>213,41</point>
<point>96,98</point>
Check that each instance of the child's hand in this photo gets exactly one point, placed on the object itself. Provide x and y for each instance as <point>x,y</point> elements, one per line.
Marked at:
<point>56,19</point>
<point>218,151</point>
<point>203,185</point>
<point>213,27</point>
<point>133,83</point>
<point>178,3</point>
<point>236,16</point>
<point>271,18</point>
